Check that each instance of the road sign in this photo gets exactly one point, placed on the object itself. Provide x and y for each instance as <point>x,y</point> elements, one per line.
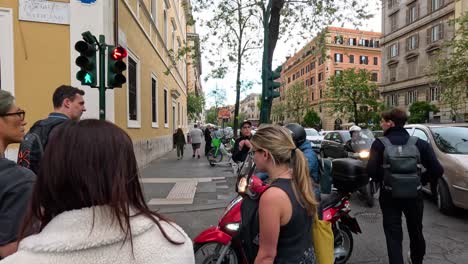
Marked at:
<point>224,114</point>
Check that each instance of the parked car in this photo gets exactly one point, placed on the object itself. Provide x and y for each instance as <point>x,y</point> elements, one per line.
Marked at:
<point>378,133</point>
<point>450,144</point>
<point>324,132</point>
<point>333,144</point>
<point>315,138</point>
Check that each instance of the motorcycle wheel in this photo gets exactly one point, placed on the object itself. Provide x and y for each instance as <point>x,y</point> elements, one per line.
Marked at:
<point>208,253</point>
<point>370,195</point>
<point>343,244</point>
<point>213,159</point>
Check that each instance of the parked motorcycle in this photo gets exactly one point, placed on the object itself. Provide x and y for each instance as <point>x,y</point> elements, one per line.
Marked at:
<point>359,148</point>
<point>222,243</point>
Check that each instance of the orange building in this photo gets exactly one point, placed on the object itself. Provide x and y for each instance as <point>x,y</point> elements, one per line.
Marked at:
<point>312,65</point>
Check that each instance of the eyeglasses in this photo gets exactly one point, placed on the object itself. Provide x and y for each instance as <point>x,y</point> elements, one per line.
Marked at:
<point>21,114</point>
<point>256,150</point>
<point>246,127</point>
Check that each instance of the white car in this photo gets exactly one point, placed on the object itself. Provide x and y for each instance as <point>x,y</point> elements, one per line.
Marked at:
<point>314,137</point>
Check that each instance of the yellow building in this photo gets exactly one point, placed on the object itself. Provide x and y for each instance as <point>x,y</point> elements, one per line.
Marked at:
<point>37,55</point>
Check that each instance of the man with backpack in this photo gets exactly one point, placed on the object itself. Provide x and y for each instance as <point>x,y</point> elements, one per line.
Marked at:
<point>68,104</point>
<point>395,162</point>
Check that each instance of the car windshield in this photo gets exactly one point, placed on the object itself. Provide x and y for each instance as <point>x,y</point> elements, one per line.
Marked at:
<point>312,133</point>
<point>452,140</point>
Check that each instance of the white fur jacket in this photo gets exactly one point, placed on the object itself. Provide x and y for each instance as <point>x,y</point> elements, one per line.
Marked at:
<point>70,238</point>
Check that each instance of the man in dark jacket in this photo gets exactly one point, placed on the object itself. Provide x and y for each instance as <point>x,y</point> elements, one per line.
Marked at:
<point>393,122</point>
<point>242,145</point>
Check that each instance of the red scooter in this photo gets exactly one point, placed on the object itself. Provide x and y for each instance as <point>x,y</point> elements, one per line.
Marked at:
<point>222,244</point>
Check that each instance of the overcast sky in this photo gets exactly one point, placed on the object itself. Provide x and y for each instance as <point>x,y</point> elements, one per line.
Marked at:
<point>252,72</point>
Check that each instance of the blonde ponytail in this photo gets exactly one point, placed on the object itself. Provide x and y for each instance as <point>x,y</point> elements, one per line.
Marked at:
<point>302,184</point>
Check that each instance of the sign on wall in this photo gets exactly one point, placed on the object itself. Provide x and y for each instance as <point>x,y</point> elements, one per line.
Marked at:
<point>44,11</point>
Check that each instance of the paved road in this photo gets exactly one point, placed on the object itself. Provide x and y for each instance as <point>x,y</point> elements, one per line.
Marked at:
<point>446,237</point>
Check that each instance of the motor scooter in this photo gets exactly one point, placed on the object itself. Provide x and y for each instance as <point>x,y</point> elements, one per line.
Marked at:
<point>222,243</point>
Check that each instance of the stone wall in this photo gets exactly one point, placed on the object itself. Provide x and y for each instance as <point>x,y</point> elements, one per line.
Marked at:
<point>147,150</point>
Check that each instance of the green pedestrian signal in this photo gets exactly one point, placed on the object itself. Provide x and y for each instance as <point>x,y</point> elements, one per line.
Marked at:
<point>273,87</point>
<point>115,66</point>
<point>87,63</point>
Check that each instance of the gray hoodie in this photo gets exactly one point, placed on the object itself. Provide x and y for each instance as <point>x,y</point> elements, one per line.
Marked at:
<point>16,184</point>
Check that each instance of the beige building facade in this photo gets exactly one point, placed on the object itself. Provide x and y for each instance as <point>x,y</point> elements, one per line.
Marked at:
<point>413,34</point>
<point>249,108</point>
<point>37,55</point>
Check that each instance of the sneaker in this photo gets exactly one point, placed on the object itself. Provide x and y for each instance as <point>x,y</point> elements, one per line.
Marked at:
<point>193,156</point>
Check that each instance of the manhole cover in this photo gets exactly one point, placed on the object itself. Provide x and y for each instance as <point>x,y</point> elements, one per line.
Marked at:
<point>369,217</point>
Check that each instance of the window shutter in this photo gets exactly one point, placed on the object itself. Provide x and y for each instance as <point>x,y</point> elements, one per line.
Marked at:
<point>408,16</point>
<point>428,36</point>
<point>441,30</point>
<point>408,43</point>
<point>398,48</point>
<point>429,6</point>
<point>417,11</point>
<point>417,40</point>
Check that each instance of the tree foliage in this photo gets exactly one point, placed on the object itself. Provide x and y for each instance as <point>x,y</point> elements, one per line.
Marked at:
<point>218,95</point>
<point>419,112</point>
<point>297,102</point>
<point>278,111</point>
<point>195,105</point>
<point>351,94</point>
<point>450,70</point>
<point>312,119</point>
<point>212,116</point>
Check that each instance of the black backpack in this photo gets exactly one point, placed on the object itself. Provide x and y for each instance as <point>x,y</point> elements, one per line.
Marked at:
<point>32,147</point>
<point>402,168</point>
<point>249,229</point>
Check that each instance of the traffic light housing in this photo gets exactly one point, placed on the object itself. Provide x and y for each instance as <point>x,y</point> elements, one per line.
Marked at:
<point>115,66</point>
<point>87,74</point>
<point>273,87</point>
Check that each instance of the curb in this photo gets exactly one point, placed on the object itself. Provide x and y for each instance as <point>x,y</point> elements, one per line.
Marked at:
<point>194,208</point>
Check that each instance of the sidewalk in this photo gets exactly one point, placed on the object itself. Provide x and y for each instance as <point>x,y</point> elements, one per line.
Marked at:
<point>189,184</point>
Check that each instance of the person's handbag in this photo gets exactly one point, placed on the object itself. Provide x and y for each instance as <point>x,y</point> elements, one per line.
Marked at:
<point>322,237</point>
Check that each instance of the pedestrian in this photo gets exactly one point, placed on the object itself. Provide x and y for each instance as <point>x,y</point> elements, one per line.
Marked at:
<point>242,144</point>
<point>68,104</point>
<point>16,182</point>
<point>89,207</point>
<point>179,141</point>
<point>395,162</point>
<point>287,208</point>
<point>208,138</point>
<point>196,137</point>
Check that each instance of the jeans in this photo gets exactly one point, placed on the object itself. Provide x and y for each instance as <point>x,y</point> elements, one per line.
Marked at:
<point>180,150</point>
<point>391,212</point>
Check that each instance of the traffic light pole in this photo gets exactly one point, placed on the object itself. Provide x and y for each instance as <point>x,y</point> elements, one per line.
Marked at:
<point>102,77</point>
<point>264,111</point>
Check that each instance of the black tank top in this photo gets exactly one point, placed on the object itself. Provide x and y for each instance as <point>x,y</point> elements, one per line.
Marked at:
<point>295,238</point>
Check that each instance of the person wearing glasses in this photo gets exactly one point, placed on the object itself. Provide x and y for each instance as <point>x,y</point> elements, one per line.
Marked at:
<point>16,182</point>
<point>68,104</point>
<point>242,144</point>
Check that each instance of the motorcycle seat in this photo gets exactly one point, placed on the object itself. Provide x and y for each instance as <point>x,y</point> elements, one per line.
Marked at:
<point>329,200</point>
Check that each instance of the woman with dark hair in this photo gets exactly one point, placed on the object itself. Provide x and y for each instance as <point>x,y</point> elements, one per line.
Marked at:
<point>88,205</point>
<point>179,140</point>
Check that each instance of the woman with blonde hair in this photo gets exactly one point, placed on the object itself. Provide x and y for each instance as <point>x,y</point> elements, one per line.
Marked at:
<point>286,209</point>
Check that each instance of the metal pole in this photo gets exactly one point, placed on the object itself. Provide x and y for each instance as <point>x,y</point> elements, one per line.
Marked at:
<point>102,77</point>
<point>265,104</point>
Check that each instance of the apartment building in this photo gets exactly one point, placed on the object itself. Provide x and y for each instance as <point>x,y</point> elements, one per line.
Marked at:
<point>413,32</point>
<point>37,55</point>
<point>249,108</point>
<point>344,48</point>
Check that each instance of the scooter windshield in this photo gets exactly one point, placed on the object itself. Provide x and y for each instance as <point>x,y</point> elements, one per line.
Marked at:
<point>362,141</point>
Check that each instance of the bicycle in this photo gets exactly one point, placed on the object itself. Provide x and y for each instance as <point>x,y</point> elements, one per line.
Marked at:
<point>221,148</point>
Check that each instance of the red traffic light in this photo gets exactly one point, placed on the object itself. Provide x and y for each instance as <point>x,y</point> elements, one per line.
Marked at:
<point>119,53</point>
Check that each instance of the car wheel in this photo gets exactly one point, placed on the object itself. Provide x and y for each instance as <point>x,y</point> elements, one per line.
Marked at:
<point>444,200</point>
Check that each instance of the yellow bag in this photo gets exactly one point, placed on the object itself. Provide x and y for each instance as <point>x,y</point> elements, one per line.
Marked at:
<point>322,237</point>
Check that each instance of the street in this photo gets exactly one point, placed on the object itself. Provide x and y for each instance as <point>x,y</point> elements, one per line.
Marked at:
<point>446,236</point>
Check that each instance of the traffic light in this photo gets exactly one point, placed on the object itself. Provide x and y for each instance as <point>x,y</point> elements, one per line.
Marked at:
<point>273,87</point>
<point>87,63</point>
<point>115,66</point>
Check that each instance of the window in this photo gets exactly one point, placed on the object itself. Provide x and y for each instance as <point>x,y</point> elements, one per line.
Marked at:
<point>294,77</point>
<point>435,33</point>
<point>312,80</point>
<point>352,41</point>
<point>338,39</point>
<point>338,57</point>
<point>302,71</point>
<point>313,96</point>
<point>154,102</point>
<point>392,100</point>
<point>394,22</point>
<point>166,121</point>
<point>312,65</point>
<point>165,27</point>
<point>320,76</point>
<point>412,13</point>
<point>374,77</point>
<point>411,97</point>
<point>434,94</point>
<point>374,43</point>
<point>394,50</point>
<point>435,4</point>
<point>392,70</point>
<point>376,61</point>
<point>133,92</point>
<point>289,79</point>
<point>307,82</point>
<point>412,42</point>
<point>412,67</point>
<point>174,34</point>
<point>337,72</point>
<point>420,134</point>
<point>320,61</point>
<point>154,10</point>
<point>351,58</point>
<point>363,60</point>
<point>320,93</point>
<point>392,3</point>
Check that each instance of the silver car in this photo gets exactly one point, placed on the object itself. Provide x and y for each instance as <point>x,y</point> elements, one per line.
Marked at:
<point>450,144</point>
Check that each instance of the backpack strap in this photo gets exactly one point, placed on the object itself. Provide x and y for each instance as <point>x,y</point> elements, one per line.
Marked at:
<point>385,141</point>
<point>412,141</point>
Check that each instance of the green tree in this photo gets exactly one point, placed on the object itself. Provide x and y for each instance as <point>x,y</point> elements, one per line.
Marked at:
<point>278,110</point>
<point>212,116</point>
<point>195,105</point>
<point>312,119</point>
<point>297,102</point>
<point>352,94</point>
<point>419,112</point>
<point>450,70</point>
